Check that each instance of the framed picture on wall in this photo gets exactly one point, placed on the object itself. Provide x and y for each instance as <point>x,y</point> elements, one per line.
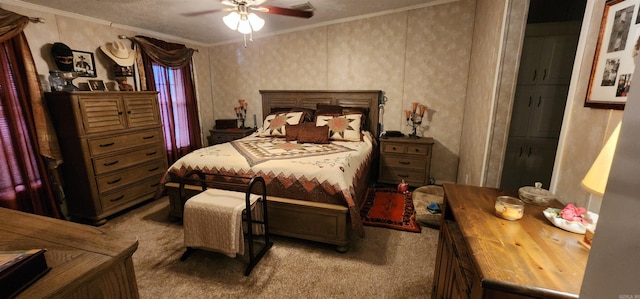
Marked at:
<point>613,64</point>
<point>84,63</point>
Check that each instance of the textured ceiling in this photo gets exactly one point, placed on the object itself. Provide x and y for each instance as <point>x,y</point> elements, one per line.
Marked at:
<point>167,16</point>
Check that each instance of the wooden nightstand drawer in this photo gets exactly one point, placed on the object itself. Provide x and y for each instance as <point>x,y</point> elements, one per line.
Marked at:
<point>419,150</point>
<point>394,148</point>
<point>226,135</point>
<point>403,161</point>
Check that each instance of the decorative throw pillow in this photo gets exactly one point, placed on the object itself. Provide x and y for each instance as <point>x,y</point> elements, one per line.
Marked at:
<point>327,109</point>
<point>342,127</point>
<point>313,134</point>
<point>358,110</point>
<point>291,131</point>
<point>274,124</point>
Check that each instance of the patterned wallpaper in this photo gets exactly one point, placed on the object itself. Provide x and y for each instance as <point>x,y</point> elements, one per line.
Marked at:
<point>479,107</point>
<point>419,55</point>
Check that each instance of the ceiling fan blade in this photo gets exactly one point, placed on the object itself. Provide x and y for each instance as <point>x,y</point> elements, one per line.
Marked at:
<point>204,12</point>
<point>199,13</point>
<point>286,11</point>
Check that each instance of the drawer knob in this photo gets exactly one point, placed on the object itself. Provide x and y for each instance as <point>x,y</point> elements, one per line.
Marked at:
<point>148,137</point>
<point>114,181</point>
<point>107,144</point>
<point>394,148</point>
<point>117,198</point>
<point>151,153</point>
<point>403,162</point>
<point>153,169</point>
<point>111,163</point>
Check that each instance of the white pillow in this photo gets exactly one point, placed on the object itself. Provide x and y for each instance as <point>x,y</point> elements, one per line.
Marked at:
<point>274,123</point>
<point>342,127</point>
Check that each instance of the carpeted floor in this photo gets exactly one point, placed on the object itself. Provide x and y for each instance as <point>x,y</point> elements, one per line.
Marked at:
<point>385,264</point>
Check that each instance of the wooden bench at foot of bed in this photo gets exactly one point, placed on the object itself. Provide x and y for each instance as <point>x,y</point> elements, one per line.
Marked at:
<point>320,222</point>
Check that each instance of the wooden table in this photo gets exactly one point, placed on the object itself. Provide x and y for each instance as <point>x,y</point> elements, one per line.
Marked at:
<point>85,261</point>
<point>483,256</point>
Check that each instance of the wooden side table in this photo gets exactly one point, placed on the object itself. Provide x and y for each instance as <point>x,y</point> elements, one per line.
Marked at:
<point>225,135</point>
<point>405,158</point>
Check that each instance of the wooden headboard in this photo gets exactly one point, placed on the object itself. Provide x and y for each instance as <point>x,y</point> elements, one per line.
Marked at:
<point>309,98</point>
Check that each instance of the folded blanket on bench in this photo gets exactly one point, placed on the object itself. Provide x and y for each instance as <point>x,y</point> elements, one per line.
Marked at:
<point>213,221</point>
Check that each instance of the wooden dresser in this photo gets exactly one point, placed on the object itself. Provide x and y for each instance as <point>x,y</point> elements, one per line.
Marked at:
<point>405,158</point>
<point>483,256</point>
<point>113,150</point>
<point>85,261</point>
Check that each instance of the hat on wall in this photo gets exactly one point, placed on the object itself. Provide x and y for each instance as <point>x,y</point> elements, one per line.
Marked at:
<point>119,53</point>
<point>63,57</point>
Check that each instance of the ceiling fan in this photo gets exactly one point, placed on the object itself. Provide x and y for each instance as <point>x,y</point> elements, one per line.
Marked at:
<point>245,6</point>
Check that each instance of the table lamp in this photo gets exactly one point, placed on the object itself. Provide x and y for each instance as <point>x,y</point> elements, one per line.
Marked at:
<point>596,179</point>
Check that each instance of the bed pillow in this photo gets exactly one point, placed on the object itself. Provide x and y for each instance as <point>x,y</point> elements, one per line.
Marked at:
<point>327,109</point>
<point>307,115</point>
<point>291,131</point>
<point>274,124</point>
<point>342,127</point>
<point>310,133</point>
<point>364,122</point>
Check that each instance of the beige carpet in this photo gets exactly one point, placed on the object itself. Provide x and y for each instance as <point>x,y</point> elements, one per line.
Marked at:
<point>385,264</point>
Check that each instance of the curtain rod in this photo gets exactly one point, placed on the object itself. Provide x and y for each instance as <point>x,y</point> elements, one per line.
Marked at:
<point>126,37</point>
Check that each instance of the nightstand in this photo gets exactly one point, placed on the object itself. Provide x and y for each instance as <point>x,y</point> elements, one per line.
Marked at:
<point>225,135</point>
<point>405,158</point>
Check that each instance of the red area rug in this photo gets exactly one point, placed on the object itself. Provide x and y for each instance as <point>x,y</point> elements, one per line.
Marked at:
<point>388,208</point>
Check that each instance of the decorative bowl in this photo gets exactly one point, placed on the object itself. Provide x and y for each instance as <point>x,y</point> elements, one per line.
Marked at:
<point>553,215</point>
<point>509,208</point>
<point>536,195</point>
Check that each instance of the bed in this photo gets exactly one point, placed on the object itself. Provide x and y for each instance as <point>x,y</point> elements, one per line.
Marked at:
<point>314,190</point>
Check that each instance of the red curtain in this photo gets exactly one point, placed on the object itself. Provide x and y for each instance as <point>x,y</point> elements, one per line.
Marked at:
<point>167,69</point>
<point>24,181</point>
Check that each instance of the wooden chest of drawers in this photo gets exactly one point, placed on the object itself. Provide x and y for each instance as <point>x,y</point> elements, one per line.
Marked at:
<point>113,150</point>
<point>405,158</point>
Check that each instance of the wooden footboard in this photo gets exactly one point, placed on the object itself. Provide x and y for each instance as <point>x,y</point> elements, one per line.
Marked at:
<point>321,222</point>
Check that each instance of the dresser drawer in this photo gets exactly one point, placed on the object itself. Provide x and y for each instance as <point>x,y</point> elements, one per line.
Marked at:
<point>412,149</point>
<point>403,161</point>
<point>112,181</point>
<point>220,138</point>
<point>106,164</point>
<point>394,175</point>
<point>104,145</point>
<point>145,188</point>
<point>397,148</point>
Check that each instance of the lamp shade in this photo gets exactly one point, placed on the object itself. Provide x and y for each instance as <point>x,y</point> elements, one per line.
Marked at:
<point>256,22</point>
<point>596,179</point>
<point>232,20</point>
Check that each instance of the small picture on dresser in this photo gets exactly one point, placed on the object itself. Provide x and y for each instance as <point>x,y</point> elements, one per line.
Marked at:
<point>95,85</point>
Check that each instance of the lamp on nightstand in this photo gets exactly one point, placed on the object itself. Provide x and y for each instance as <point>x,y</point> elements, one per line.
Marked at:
<point>596,179</point>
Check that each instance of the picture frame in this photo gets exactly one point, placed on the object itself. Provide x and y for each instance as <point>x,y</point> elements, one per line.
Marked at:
<point>613,64</point>
<point>84,63</point>
<point>97,85</point>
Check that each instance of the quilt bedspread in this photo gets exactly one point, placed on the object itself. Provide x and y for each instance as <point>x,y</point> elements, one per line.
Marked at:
<point>334,167</point>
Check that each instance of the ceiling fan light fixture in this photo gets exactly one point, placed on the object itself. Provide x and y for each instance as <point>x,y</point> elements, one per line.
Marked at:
<point>256,22</point>
<point>232,20</point>
<point>244,27</point>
